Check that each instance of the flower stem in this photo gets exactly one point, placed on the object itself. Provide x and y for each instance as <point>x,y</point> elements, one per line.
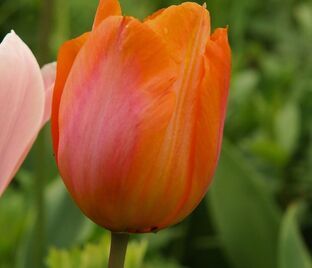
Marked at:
<point>39,185</point>
<point>43,54</point>
<point>119,242</point>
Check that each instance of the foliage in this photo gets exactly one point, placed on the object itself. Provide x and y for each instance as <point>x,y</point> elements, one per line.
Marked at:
<point>95,255</point>
<point>252,217</point>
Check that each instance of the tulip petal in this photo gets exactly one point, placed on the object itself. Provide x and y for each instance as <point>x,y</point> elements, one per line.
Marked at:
<point>22,104</point>
<point>48,72</point>
<point>114,111</point>
<point>186,30</point>
<point>182,27</point>
<point>66,57</point>
<point>210,116</point>
<point>105,9</point>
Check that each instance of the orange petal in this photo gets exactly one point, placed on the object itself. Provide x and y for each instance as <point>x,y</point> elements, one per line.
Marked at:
<point>114,111</point>
<point>66,57</point>
<point>192,145</point>
<point>105,9</point>
<point>209,115</point>
<point>161,177</point>
<point>182,27</point>
<point>185,29</point>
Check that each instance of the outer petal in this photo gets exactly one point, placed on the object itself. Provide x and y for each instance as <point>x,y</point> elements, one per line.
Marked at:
<point>48,72</point>
<point>65,59</point>
<point>114,112</point>
<point>185,29</point>
<point>22,104</point>
<point>105,9</point>
<point>209,121</point>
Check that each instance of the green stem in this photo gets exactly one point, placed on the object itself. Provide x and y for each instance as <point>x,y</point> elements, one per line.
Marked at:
<point>45,29</point>
<point>39,236</point>
<point>118,250</point>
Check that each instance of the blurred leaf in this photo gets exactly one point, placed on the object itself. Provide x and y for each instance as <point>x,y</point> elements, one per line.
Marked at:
<point>303,14</point>
<point>160,262</point>
<point>95,255</point>
<point>138,9</point>
<point>61,30</point>
<point>7,8</point>
<point>263,146</point>
<point>159,240</point>
<point>287,126</point>
<point>66,225</point>
<point>292,250</point>
<point>135,253</point>
<point>245,215</point>
<point>81,16</point>
<point>243,85</point>
<point>12,224</point>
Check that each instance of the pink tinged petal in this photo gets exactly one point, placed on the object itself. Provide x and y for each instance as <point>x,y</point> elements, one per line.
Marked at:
<point>112,120</point>
<point>21,105</point>
<point>48,72</point>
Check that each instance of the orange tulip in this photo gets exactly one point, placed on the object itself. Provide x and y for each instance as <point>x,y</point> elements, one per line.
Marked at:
<point>138,113</point>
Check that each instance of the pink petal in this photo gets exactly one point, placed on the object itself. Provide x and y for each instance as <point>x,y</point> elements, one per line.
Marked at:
<point>48,72</point>
<point>21,105</point>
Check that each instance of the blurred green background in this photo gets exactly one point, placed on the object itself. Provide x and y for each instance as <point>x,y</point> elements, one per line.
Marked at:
<point>257,214</point>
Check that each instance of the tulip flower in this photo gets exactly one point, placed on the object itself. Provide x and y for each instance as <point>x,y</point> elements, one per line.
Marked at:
<point>25,101</point>
<point>138,113</point>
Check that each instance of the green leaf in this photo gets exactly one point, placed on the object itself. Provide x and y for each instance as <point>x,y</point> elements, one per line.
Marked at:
<point>292,250</point>
<point>13,220</point>
<point>287,126</point>
<point>65,224</point>
<point>303,14</point>
<point>243,86</point>
<point>95,255</point>
<point>161,262</point>
<point>263,146</point>
<point>244,212</point>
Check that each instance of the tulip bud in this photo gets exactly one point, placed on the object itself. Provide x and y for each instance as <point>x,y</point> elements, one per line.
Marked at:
<point>138,114</point>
